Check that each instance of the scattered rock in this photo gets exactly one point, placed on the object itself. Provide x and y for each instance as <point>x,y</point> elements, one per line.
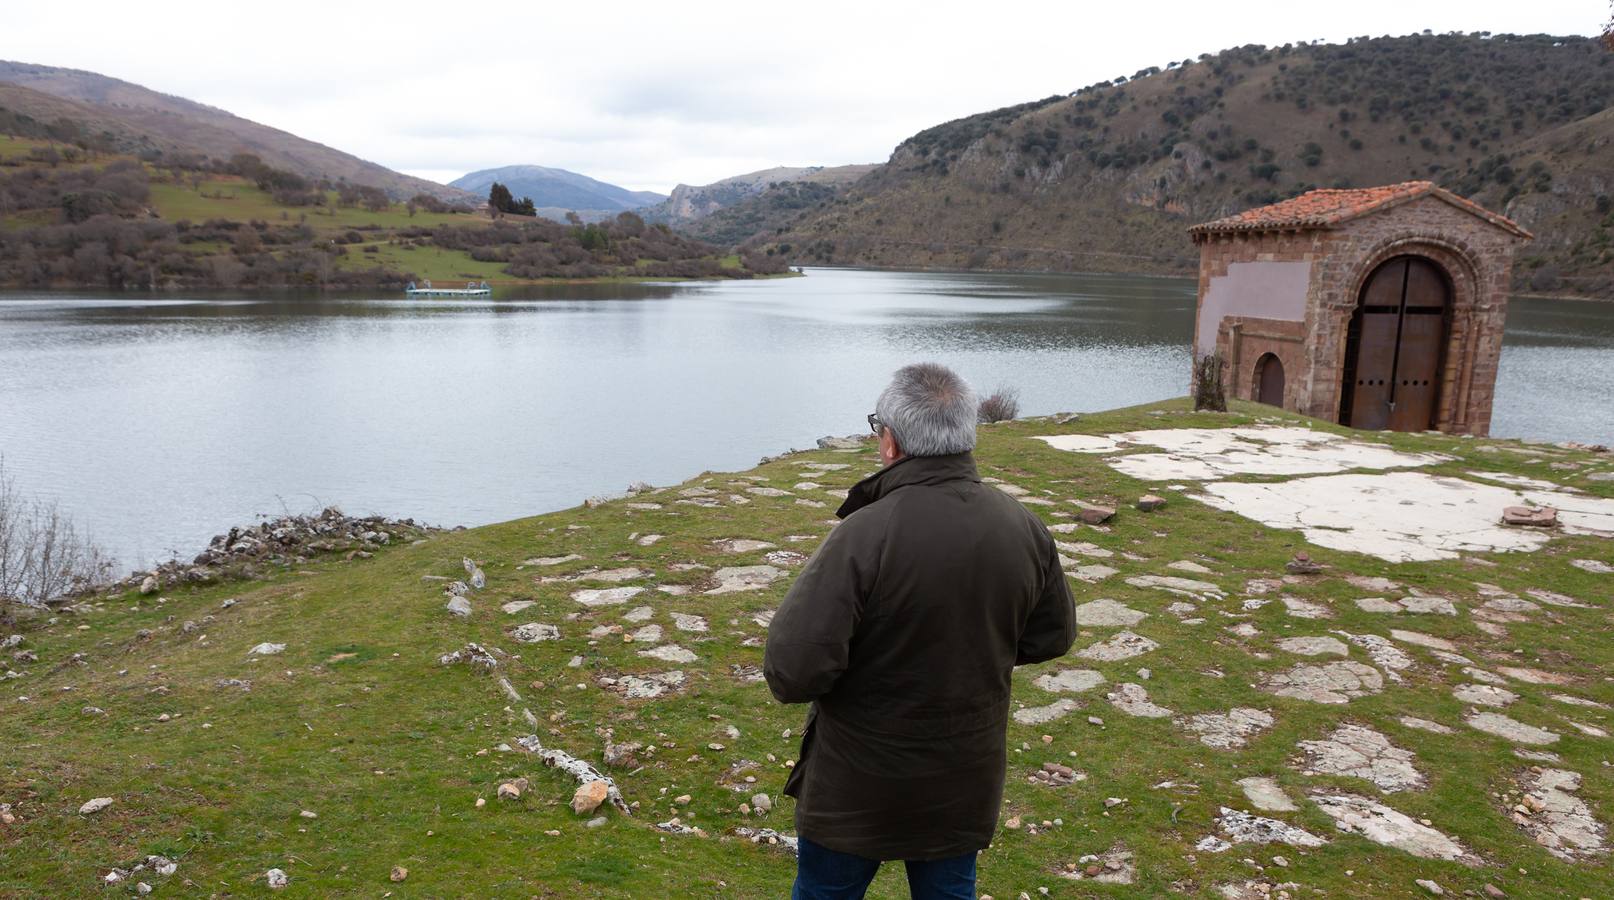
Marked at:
<point>1266,794</point>
<point>1114,866</point>
<point>91,807</point>
<point>1556,818</point>
<point>512,790</point>
<point>1302,564</point>
<point>1430,886</point>
<point>1356,751</point>
<point>533,632</point>
<point>1530,516</point>
<point>399,873</point>
<point>1150,503</point>
<point>1420,639</point>
<point>761,803</point>
<point>743,545</point>
<point>551,560</point>
<point>277,879</point>
<point>1133,700</point>
<point>687,622</point>
<point>1535,676</point>
<point>474,655</point>
<point>1246,828</point>
<point>589,796</point>
<point>1593,566</point>
<point>515,606</point>
<point>267,649</point>
<point>1201,591</point>
<point>1306,609</point>
<point>1093,514</point>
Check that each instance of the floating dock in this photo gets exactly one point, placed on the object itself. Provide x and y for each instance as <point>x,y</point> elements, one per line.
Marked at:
<point>471,289</point>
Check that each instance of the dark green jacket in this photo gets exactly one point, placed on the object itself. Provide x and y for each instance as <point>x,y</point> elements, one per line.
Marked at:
<point>902,632</point>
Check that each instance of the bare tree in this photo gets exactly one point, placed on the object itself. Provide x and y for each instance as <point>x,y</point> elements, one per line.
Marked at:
<point>43,555</point>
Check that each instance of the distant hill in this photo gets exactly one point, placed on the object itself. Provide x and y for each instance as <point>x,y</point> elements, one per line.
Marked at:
<point>1108,178</point>
<point>135,119</point>
<point>690,203</point>
<point>557,191</point>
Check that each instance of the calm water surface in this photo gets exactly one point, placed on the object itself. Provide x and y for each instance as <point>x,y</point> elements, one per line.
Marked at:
<point>160,422</point>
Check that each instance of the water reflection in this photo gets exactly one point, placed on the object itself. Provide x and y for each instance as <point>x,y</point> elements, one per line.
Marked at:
<point>163,420</point>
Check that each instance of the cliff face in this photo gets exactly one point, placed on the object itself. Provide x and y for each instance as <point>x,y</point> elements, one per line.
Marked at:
<point>1109,177</point>
<point>689,203</point>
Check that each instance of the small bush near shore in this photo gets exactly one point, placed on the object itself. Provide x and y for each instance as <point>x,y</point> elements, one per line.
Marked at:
<point>1001,405</point>
<point>42,554</point>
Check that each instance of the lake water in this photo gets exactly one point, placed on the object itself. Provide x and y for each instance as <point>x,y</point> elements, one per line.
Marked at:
<point>159,422</point>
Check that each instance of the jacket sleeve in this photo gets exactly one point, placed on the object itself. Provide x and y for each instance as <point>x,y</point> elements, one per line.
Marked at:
<point>1051,628</point>
<point>809,639</point>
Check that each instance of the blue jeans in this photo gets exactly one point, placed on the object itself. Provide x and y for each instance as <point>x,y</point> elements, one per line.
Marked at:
<point>825,874</point>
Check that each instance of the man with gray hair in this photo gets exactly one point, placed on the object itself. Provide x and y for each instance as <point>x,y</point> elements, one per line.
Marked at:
<point>902,632</point>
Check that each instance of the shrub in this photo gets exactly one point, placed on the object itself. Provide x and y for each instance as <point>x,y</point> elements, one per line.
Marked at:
<point>42,554</point>
<point>1001,405</point>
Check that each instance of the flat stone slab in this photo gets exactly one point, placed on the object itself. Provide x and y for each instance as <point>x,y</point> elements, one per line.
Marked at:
<point>649,687</point>
<point>1425,725</point>
<point>1356,751</point>
<point>1124,645</point>
<point>1380,824</point>
<point>1241,827</point>
<point>1092,574</point>
<point>515,606</point>
<point>1418,638</point>
<point>1266,794</point>
<point>1335,682</point>
<point>551,560</point>
<point>1230,730</point>
<point>1186,587</point>
<point>1596,567</point>
<point>1200,454</point>
<point>745,578</point>
<point>1133,700</point>
<point>647,634</point>
<point>1069,681</point>
<point>1037,715</point>
<point>1188,565</point>
<point>1510,729</point>
<point>1535,676</point>
<point>606,596</point>
<point>1483,695</point>
<point>1105,613</point>
<point>1306,609</point>
<point>742,545</point>
<point>688,622</point>
<point>1557,819</point>
<point>638,614</point>
<point>1405,516</point>
<point>1313,646</point>
<point>1083,548</point>
<point>1553,598</point>
<point>670,653</point>
<point>533,632</point>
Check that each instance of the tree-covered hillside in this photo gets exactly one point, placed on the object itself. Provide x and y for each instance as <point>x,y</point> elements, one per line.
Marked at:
<point>1108,177</point>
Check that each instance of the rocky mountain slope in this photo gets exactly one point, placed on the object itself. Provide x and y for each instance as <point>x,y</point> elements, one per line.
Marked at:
<point>129,118</point>
<point>1109,177</point>
<point>690,203</point>
<point>557,191</point>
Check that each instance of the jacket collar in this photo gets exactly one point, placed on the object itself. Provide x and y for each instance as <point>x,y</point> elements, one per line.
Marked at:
<point>909,470</point>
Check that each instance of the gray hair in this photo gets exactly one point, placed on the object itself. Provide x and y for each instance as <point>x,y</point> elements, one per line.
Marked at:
<point>930,409</point>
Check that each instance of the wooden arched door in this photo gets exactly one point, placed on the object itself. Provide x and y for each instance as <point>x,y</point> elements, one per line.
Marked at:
<point>1269,380</point>
<point>1395,347</point>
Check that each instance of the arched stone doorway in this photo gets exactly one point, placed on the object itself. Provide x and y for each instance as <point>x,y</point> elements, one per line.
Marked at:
<point>1396,345</point>
<point>1269,380</point>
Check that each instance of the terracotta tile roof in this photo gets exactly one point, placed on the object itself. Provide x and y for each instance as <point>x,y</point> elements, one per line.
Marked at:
<point>1330,207</point>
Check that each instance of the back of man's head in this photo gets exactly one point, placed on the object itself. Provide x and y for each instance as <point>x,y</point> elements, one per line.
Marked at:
<point>930,411</point>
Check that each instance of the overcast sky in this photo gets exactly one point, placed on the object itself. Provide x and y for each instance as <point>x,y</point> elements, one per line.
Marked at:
<point>647,95</point>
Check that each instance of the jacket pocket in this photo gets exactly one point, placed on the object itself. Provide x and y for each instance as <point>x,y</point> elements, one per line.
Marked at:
<point>793,782</point>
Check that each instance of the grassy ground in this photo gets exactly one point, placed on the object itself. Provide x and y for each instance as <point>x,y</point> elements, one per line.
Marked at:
<point>234,199</point>
<point>357,722</point>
